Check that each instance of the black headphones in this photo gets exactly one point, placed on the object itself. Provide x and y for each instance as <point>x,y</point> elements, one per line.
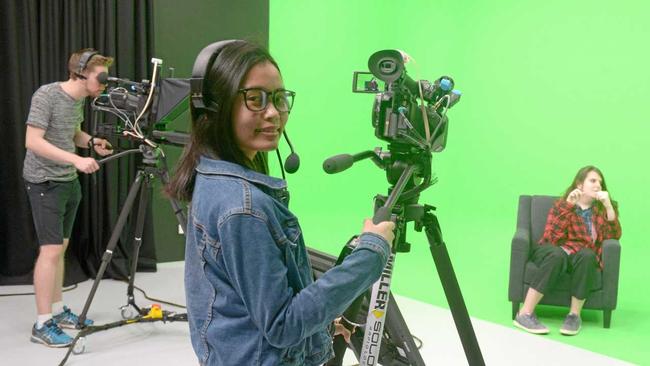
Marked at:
<point>83,62</point>
<point>202,65</point>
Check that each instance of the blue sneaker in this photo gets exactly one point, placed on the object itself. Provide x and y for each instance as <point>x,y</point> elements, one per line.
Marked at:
<point>68,319</point>
<point>50,335</point>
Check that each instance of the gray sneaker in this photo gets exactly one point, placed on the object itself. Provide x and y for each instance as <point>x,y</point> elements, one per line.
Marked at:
<point>529,323</point>
<point>571,325</point>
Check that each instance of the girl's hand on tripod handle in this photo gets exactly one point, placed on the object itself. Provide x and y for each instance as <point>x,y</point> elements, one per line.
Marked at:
<point>86,165</point>
<point>383,229</point>
<point>339,329</point>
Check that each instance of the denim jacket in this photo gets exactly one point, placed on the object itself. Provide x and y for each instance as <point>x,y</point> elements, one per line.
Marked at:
<point>251,297</point>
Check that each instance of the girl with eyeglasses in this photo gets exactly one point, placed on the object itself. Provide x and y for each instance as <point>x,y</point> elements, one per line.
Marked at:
<point>251,297</point>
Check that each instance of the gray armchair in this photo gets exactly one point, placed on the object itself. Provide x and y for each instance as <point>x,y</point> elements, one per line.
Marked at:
<point>531,220</point>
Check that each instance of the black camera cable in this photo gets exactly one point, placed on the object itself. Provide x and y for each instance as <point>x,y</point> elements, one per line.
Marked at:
<point>70,288</point>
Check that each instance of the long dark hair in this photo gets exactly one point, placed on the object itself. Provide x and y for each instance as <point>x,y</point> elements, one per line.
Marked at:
<point>580,177</point>
<point>212,132</point>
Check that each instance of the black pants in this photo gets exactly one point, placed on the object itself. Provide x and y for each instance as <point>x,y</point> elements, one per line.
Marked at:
<point>553,261</point>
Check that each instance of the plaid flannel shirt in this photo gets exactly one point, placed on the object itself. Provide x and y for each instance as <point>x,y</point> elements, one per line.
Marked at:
<point>566,228</point>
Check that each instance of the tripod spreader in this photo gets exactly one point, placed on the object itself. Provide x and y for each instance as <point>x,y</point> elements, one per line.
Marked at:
<point>141,186</point>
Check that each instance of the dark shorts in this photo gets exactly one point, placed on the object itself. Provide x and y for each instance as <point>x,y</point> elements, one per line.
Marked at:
<point>54,207</point>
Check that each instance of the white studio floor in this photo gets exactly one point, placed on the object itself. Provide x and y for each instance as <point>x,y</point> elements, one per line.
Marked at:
<point>169,344</point>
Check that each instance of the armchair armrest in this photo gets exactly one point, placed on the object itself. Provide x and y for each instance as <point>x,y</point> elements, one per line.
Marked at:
<point>519,254</point>
<point>611,267</point>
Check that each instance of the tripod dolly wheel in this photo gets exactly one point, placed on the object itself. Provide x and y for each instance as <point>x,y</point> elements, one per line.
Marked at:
<point>128,312</point>
<point>80,346</point>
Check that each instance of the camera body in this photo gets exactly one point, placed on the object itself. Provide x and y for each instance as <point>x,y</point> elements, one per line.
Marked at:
<point>125,100</point>
<point>397,117</point>
<point>142,110</point>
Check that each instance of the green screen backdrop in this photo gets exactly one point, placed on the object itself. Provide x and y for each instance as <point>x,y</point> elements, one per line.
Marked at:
<point>548,87</point>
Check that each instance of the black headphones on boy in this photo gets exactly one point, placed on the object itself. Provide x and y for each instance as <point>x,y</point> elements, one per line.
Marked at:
<point>83,62</point>
<point>202,65</point>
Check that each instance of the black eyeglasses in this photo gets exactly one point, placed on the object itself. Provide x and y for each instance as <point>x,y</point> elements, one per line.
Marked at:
<point>257,99</point>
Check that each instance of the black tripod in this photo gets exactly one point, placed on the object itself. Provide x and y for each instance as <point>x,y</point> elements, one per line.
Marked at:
<point>401,206</point>
<point>151,158</point>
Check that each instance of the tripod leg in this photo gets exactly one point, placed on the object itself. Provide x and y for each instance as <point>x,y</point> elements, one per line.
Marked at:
<point>180,214</point>
<point>400,334</point>
<point>137,239</point>
<point>176,206</point>
<point>115,235</point>
<point>452,290</point>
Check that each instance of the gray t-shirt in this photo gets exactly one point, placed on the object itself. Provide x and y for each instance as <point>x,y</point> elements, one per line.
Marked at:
<point>60,115</point>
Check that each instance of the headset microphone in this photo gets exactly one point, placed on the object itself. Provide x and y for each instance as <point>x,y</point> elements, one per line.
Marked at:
<point>292,163</point>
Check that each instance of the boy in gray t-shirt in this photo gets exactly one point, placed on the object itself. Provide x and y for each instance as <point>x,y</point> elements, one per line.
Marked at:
<point>50,171</point>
